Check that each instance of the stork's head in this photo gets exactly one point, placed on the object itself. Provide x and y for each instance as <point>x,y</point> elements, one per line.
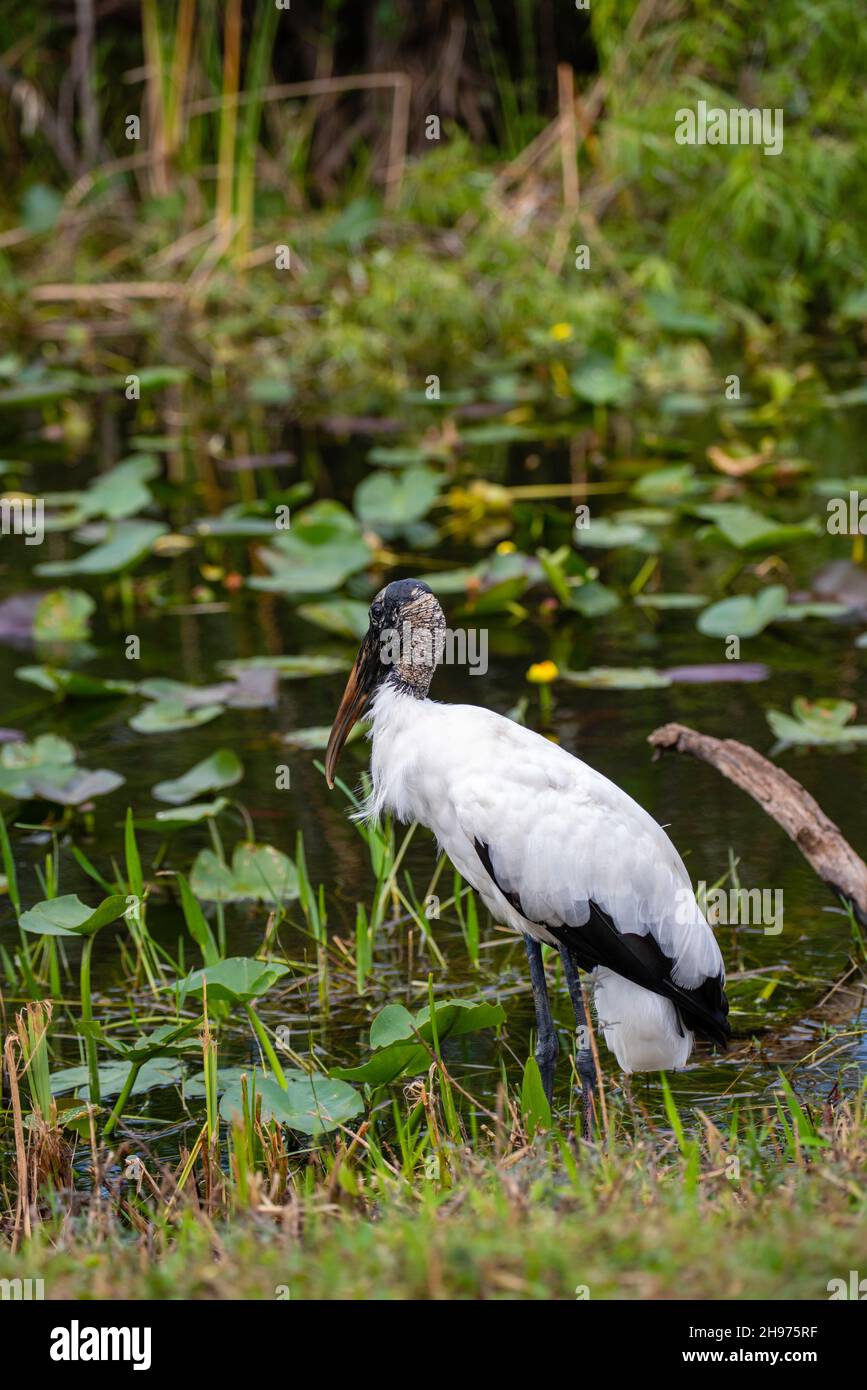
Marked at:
<point>402,645</point>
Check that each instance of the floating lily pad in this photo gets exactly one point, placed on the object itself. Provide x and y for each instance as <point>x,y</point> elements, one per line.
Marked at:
<point>63,616</point>
<point>599,381</point>
<point>127,544</point>
<point>390,502</point>
<point>747,529</point>
<point>46,768</point>
<point>318,735</point>
<point>165,1071</point>
<point>122,491</point>
<point>258,873</point>
<point>743,616</point>
<point>289,668</point>
<point>323,548</point>
<point>239,979</point>
<point>345,617</point>
<point>668,484</point>
<point>814,723</point>
<point>671,602</point>
<point>314,1105</point>
<point>74,684</point>
<point>608,535</point>
<point>393,1036</point>
<point>170,716</point>
<point>221,769</point>
<point>618,678</point>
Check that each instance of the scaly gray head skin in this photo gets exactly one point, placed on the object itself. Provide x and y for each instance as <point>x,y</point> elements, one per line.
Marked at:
<point>402,645</point>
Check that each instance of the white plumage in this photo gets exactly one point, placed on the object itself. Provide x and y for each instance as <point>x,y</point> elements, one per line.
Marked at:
<point>560,837</point>
<point>555,850</point>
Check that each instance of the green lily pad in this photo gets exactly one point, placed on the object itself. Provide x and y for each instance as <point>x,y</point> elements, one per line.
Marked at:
<point>289,668</point>
<point>179,817</point>
<point>599,381</point>
<point>112,1077</point>
<point>73,684</point>
<point>674,602</point>
<point>393,1036</point>
<point>345,617</point>
<point>46,768</point>
<point>170,716</point>
<point>814,723</point>
<point>618,678</point>
<point>69,916</point>
<point>323,548</point>
<point>390,502</point>
<point>603,534</point>
<point>747,529</point>
<point>258,873</point>
<point>221,769</point>
<point>122,491</point>
<point>668,484</point>
<point>743,616</point>
<point>63,616</point>
<point>317,736</point>
<point>127,544</point>
<point>239,979</point>
<point>314,1105</point>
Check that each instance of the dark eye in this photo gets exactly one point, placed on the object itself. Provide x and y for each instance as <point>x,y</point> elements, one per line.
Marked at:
<point>376,611</point>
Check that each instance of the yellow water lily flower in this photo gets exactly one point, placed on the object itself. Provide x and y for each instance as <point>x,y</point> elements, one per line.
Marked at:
<point>543,672</point>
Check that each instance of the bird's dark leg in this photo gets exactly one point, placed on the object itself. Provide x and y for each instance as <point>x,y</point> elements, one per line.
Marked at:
<point>586,1065</point>
<point>547,1046</point>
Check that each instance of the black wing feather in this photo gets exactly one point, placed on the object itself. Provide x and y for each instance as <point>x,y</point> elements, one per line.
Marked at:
<point>640,959</point>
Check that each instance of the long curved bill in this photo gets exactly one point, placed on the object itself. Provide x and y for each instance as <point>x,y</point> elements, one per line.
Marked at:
<point>362,679</point>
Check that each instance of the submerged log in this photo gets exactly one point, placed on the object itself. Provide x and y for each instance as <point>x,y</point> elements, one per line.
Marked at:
<point>786,801</point>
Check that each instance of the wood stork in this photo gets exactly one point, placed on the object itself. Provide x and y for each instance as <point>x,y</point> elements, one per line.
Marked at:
<point>555,850</point>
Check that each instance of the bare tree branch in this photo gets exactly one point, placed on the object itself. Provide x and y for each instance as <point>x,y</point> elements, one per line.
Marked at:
<point>785,800</point>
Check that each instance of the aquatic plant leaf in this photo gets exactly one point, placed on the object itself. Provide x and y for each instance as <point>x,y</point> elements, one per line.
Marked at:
<point>618,678</point>
<point>69,916</point>
<point>168,1040</point>
<point>74,684</point>
<point>289,668</point>
<point>158,1071</point>
<point>122,491</point>
<point>63,616</point>
<point>170,716</point>
<point>814,723</point>
<point>747,529</point>
<point>608,535</point>
<point>743,616</point>
<point>46,768</point>
<point>392,1024</point>
<point>236,979</point>
<point>82,786</point>
<point>673,602</point>
<point>179,817</point>
<point>389,502</point>
<point>667,484</point>
<point>599,381</point>
<point>128,543</point>
<point>393,1032</point>
<point>593,599</point>
<point>345,617</point>
<point>222,768</point>
<point>318,735</point>
<point>314,1105</point>
<point>258,873</point>
<point>534,1103</point>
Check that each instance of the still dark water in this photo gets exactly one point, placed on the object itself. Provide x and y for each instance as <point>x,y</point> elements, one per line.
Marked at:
<point>706,817</point>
